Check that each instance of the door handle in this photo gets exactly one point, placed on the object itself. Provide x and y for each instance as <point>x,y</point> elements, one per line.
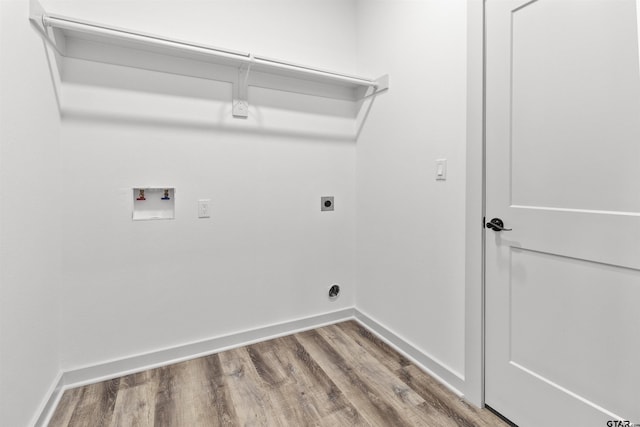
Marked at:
<point>496,224</point>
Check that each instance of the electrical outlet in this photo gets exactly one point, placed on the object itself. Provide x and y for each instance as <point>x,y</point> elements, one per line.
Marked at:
<point>326,203</point>
<point>204,207</point>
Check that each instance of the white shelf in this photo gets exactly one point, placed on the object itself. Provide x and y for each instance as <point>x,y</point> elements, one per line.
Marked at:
<point>67,35</point>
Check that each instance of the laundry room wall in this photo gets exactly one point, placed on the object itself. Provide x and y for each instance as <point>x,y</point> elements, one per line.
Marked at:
<point>78,136</point>
<point>411,227</point>
<point>267,254</point>
<point>29,220</point>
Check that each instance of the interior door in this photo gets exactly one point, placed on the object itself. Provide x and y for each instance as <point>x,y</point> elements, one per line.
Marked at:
<point>563,172</point>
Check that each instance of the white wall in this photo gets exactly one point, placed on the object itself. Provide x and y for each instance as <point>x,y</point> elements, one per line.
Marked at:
<point>29,220</point>
<point>411,229</point>
<point>268,254</point>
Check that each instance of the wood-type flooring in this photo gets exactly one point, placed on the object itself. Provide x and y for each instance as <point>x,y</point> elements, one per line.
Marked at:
<point>338,375</point>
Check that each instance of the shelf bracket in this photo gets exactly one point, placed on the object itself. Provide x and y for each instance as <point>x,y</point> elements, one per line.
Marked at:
<point>241,93</point>
<point>36,16</point>
<point>36,12</point>
<point>382,83</point>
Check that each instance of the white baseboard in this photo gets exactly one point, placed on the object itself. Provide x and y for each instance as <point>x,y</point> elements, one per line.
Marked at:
<point>437,369</point>
<point>117,368</point>
<point>50,403</point>
<point>138,363</point>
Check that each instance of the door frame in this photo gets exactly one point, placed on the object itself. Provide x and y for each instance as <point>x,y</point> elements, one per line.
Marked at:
<point>475,206</point>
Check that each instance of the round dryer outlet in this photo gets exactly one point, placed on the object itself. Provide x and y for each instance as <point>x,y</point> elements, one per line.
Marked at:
<point>334,291</point>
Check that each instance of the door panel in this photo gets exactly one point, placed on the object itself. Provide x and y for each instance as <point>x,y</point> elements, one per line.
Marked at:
<point>569,289</point>
<point>569,73</point>
<point>563,170</point>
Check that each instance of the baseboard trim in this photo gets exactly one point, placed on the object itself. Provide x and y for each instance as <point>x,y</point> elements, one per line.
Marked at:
<point>50,403</point>
<point>444,374</point>
<point>117,368</point>
<point>130,365</point>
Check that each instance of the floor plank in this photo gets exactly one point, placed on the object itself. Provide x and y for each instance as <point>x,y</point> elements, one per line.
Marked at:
<point>66,406</point>
<point>247,388</point>
<point>276,370</point>
<point>389,386</point>
<point>135,404</point>
<point>375,409</point>
<point>218,392</point>
<point>338,375</point>
<point>314,386</point>
<point>386,355</point>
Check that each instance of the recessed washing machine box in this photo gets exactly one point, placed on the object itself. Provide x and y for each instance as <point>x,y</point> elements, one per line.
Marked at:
<point>154,203</point>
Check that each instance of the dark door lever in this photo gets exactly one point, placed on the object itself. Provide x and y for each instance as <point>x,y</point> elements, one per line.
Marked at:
<point>496,224</point>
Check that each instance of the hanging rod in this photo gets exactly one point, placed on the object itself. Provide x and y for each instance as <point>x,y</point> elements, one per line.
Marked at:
<point>240,58</point>
<point>275,63</point>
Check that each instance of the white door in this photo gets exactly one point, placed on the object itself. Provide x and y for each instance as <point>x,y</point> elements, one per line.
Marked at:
<point>563,172</point>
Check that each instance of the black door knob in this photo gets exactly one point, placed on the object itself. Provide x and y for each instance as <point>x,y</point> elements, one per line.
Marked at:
<point>496,224</point>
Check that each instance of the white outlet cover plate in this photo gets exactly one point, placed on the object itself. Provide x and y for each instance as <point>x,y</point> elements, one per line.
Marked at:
<point>204,208</point>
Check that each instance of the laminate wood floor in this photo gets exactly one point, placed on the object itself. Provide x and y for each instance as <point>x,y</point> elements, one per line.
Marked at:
<point>339,375</point>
